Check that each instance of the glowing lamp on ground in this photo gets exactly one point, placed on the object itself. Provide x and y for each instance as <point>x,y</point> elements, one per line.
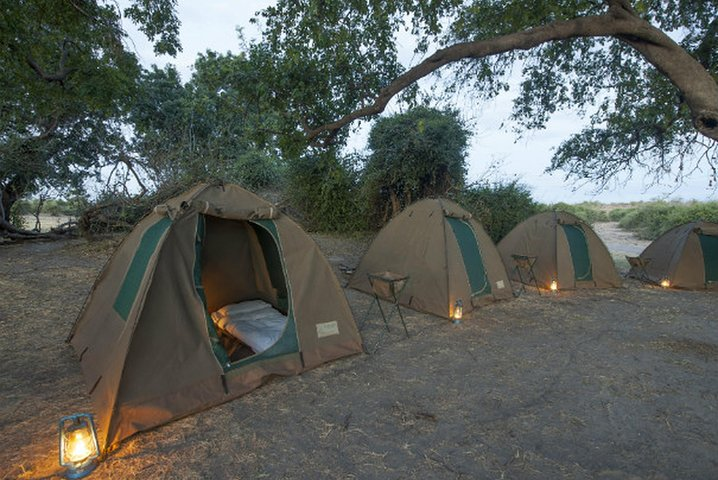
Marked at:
<point>553,286</point>
<point>78,445</point>
<point>458,311</point>
<point>665,283</point>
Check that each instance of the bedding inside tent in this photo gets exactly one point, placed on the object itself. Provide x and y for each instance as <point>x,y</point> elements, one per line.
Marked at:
<point>244,286</point>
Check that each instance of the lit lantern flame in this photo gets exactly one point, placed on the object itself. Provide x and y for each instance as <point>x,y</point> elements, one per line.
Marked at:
<point>665,283</point>
<point>78,445</point>
<point>554,286</point>
<point>458,311</point>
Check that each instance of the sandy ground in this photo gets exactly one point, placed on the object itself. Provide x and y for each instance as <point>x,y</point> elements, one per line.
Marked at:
<point>608,384</point>
<point>619,242</point>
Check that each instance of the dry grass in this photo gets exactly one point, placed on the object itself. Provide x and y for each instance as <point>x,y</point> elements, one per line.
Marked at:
<point>595,384</point>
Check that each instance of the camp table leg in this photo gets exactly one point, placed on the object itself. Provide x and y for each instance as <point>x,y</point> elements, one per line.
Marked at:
<point>401,316</point>
<point>526,262</point>
<point>533,277</point>
<point>521,280</point>
<point>387,286</point>
<point>386,322</point>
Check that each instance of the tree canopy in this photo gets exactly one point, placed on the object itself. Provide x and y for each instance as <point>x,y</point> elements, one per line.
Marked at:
<point>71,80</point>
<point>213,127</point>
<point>643,72</point>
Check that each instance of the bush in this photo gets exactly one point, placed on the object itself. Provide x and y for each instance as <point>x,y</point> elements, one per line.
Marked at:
<point>499,206</point>
<point>113,212</point>
<point>414,155</point>
<point>17,213</point>
<point>617,214</point>
<point>589,212</point>
<point>325,190</point>
<point>651,220</point>
<point>255,170</point>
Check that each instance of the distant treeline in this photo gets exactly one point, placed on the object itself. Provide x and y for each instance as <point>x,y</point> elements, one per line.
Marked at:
<point>650,220</point>
<point>56,207</point>
<point>590,212</point>
<point>488,202</point>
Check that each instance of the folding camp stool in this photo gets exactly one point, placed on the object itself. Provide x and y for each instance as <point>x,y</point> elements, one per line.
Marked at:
<point>387,286</point>
<point>639,265</point>
<point>526,264</point>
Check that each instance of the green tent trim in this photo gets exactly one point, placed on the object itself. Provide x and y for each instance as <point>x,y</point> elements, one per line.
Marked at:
<point>709,245</point>
<point>579,252</point>
<point>471,255</point>
<point>136,272</point>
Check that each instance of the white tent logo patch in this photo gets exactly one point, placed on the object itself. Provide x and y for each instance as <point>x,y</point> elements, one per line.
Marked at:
<point>327,329</point>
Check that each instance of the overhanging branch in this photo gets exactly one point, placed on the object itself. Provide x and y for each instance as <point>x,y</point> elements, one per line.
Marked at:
<point>688,75</point>
<point>62,72</point>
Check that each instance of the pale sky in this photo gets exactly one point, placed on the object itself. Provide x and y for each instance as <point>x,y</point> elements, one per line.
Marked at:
<point>211,24</point>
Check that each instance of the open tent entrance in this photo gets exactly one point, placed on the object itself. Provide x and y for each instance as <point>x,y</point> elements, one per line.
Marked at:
<point>241,278</point>
<point>579,252</point>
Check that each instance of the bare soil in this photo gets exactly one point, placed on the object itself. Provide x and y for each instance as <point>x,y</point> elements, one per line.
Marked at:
<point>618,241</point>
<point>608,384</point>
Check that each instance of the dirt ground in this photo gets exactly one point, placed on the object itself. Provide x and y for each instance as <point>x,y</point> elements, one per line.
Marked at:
<point>618,241</point>
<point>608,384</point>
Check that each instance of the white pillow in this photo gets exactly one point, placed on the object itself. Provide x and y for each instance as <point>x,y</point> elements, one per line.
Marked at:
<point>240,309</point>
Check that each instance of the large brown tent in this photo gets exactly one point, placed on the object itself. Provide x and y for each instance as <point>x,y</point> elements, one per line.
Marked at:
<point>149,348</point>
<point>446,254</point>
<point>686,256</point>
<point>566,248</point>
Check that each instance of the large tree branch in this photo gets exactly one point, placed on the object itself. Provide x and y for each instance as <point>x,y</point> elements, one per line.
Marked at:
<point>62,72</point>
<point>698,88</point>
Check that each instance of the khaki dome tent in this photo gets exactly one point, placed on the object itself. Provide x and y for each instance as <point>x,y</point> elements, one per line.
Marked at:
<point>566,249</point>
<point>446,254</point>
<point>686,256</point>
<point>206,297</point>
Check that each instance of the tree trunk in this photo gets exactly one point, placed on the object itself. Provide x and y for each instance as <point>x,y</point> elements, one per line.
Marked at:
<point>9,194</point>
<point>395,204</point>
<point>7,200</point>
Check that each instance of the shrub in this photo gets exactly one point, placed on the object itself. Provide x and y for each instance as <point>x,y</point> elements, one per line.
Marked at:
<point>324,188</point>
<point>17,213</point>
<point>255,170</point>
<point>651,220</point>
<point>499,206</point>
<point>589,212</point>
<point>414,155</point>
<point>617,214</point>
<point>113,212</point>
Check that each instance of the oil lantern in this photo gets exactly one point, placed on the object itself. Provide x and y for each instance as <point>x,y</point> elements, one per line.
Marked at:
<point>78,445</point>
